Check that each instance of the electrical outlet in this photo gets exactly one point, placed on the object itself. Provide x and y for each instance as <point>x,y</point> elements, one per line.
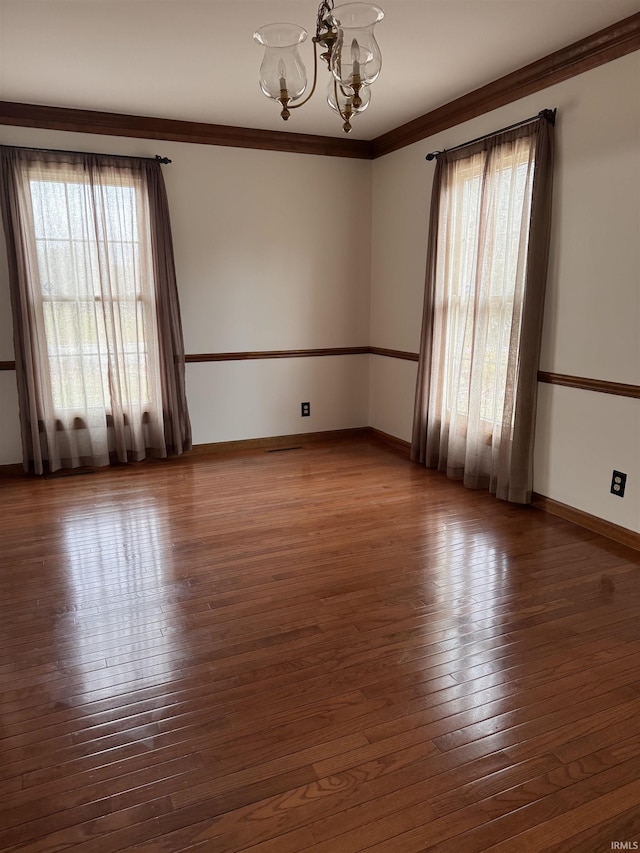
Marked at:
<point>618,483</point>
<point>305,410</point>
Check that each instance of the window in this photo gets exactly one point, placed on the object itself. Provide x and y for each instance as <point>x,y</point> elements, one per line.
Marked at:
<point>99,351</point>
<point>484,298</point>
<point>479,298</point>
<point>89,326</point>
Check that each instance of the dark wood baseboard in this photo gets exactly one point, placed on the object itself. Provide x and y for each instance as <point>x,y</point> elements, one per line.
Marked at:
<point>391,440</point>
<point>553,507</point>
<point>15,469</point>
<point>274,442</point>
<point>591,522</point>
<point>279,441</point>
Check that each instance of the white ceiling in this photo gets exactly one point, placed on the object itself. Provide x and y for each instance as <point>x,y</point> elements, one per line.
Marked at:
<point>196,60</point>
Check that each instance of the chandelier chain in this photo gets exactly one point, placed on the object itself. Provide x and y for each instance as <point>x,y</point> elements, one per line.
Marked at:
<point>325,17</point>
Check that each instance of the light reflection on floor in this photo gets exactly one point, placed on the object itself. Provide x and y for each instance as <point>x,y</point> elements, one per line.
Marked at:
<point>119,584</point>
<point>481,573</point>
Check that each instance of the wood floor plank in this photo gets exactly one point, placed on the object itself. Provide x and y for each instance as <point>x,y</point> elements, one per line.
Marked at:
<point>623,828</point>
<point>322,651</point>
<point>585,816</point>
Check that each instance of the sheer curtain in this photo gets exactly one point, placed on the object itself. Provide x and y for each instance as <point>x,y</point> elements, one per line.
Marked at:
<point>484,298</point>
<point>97,334</point>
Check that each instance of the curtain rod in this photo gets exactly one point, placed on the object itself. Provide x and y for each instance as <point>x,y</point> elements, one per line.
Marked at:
<point>162,160</point>
<point>550,116</point>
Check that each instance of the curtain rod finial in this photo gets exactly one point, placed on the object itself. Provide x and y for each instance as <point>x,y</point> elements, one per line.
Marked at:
<point>549,115</point>
<point>163,160</point>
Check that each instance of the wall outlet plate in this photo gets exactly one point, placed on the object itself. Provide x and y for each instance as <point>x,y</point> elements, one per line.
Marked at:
<point>618,483</point>
<point>305,410</point>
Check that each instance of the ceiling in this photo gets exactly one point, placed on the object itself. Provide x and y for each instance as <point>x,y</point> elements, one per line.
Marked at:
<point>196,60</point>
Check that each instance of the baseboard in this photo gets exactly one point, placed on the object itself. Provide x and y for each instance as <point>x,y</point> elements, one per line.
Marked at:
<point>391,440</point>
<point>591,522</point>
<point>15,469</point>
<point>568,513</point>
<point>276,441</point>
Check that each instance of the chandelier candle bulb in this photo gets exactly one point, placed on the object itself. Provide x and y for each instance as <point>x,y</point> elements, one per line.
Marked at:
<point>355,59</point>
<point>283,80</point>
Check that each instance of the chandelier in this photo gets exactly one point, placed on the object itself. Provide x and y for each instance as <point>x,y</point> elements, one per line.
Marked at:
<point>350,51</point>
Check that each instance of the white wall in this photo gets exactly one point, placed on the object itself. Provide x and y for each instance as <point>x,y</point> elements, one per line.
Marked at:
<point>252,231</point>
<point>592,317</point>
<point>263,397</point>
<point>392,384</point>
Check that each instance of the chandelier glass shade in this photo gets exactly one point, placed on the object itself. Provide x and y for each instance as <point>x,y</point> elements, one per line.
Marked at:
<point>356,57</point>
<point>350,50</point>
<point>281,63</point>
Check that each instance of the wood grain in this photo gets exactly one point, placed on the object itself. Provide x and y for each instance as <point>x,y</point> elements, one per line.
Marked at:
<point>310,652</point>
<point>173,130</point>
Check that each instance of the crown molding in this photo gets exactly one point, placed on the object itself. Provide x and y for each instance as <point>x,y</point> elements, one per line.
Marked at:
<point>597,49</point>
<point>174,130</point>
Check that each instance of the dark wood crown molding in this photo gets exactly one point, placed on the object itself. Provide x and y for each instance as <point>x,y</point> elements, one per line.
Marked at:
<point>604,46</point>
<point>173,130</point>
<point>597,49</point>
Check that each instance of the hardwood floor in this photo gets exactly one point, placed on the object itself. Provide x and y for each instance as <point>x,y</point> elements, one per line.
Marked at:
<point>325,650</point>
